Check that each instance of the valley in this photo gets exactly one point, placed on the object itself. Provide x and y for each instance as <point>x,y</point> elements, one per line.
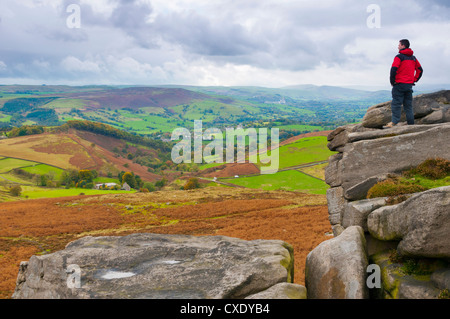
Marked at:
<point>158,110</point>
<point>62,145</point>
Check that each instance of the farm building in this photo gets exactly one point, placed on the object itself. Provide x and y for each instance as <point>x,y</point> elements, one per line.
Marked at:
<point>126,187</point>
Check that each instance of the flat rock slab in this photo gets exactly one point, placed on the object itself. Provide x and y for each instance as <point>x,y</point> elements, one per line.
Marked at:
<point>364,159</point>
<point>154,266</point>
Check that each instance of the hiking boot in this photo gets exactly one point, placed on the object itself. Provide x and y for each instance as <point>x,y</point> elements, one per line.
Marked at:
<point>390,124</point>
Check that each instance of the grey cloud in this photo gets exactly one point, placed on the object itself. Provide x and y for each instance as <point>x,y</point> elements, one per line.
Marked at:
<point>66,35</point>
<point>131,15</point>
<point>266,34</point>
<point>211,37</point>
<point>443,3</point>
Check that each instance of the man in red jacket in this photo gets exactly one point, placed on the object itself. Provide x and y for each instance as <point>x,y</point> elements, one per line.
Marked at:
<point>405,72</point>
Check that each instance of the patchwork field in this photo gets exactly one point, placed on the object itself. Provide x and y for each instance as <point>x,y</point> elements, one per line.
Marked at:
<point>47,225</point>
<point>32,192</point>
<point>291,180</point>
<point>67,151</point>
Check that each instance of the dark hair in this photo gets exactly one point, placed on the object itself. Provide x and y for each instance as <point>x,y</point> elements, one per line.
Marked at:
<point>405,42</point>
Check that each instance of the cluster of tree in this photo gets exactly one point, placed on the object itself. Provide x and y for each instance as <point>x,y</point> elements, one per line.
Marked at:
<point>192,183</point>
<point>43,117</point>
<point>23,109</point>
<point>134,181</point>
<point>15,190</point>
<point>81,179</point>
<point>22,105</point>
<point>26,130</point>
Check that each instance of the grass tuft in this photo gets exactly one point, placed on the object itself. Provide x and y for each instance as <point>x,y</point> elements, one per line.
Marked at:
<point>432,173</point>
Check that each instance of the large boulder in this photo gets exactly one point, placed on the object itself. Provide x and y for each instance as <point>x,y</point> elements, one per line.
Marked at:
<point>154,266</point>
<point>421,223</point>
<point>336,268</point>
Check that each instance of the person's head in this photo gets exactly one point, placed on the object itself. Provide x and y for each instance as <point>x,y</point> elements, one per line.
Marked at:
<point>403,44</point>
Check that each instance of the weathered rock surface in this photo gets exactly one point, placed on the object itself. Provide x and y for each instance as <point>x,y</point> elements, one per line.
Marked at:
<point>336,204</point>
<point>364,159</point>
<point>421,223</point>
<point>441,278</point>
<point>336,268</point>
<point>281,291</point>
<point>360,190</point>
<point>400,282</point>
<point>356,212</point>
<point>332,171</point>
<point>141,266</point>
<point>428,109</point>
<point>370,156</point>
<point>417,228</point>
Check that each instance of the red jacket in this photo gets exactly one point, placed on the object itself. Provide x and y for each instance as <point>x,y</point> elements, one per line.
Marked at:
<point>406,68</point>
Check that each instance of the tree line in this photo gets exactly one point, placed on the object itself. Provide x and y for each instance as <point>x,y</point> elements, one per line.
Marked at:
<point>107,130</point>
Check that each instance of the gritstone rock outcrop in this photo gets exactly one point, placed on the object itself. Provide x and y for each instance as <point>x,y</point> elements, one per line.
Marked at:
<point>414,232</point>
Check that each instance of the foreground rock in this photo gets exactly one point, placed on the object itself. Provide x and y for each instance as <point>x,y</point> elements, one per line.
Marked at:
<point>281,291</point>
<point>368,157</point>
<point>422,223</point>
<point>157,266</point>
<point>336,269</point>
<point>415,232</point>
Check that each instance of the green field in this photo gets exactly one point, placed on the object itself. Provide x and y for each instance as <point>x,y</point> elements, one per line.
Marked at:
<point>5,118</point>
<point>40,192</point>
<point>43,169</point>
<point>8,164</point>
<point>9,177</point>
<point>305,150</point>
<point>299,127</point>
<point>290,180</point>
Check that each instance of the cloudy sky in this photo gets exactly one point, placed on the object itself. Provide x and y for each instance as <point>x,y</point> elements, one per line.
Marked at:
<point>270,43</point>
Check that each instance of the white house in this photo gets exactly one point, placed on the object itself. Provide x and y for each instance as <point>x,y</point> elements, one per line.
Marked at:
<point>109,185</point>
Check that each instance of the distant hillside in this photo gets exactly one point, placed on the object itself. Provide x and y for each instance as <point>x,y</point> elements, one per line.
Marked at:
<point>136,97</point>
<point>295,93</point>
<point>155,110</point>
<point>76,150</point>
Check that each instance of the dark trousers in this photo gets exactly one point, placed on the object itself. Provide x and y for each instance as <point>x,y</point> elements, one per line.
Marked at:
<point>402,95</point>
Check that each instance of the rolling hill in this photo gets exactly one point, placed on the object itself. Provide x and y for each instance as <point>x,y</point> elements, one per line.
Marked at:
<point>76,150</point>
<point>153,110</point>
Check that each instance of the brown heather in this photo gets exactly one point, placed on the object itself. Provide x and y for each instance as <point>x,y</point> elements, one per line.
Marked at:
<point>47,225</point>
